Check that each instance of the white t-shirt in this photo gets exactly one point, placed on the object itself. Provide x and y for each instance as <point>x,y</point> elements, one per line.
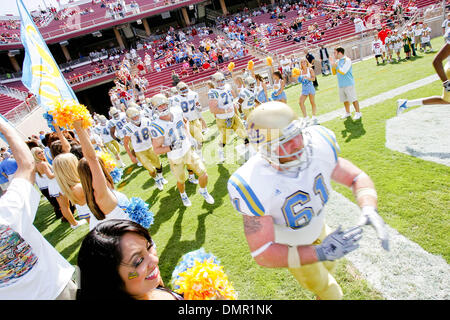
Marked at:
<point>30,267</point>
<point>377,47</point>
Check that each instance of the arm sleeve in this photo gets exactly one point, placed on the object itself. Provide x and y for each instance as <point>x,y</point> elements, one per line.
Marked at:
<point>346,67</point>
<point>243,198</point>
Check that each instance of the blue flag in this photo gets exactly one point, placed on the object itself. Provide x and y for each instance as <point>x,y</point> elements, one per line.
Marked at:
<point>40,73</point>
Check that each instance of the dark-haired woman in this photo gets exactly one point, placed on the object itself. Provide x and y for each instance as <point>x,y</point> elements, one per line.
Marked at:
<point>126,256</point>
<point>278,93</point>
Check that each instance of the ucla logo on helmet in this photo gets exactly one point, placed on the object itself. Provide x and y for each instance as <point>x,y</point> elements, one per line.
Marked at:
<point>255,135</point>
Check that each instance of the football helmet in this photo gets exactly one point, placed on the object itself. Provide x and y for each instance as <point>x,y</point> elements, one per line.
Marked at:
<point>113,112</point>
<point>182,88</point>
<point>134,115</point>
<point>102,119</point>
<point>218,80</point>
<point>173,91</point>
<point>250,83</point>
<point>271,126</point>
<point>161,104</point>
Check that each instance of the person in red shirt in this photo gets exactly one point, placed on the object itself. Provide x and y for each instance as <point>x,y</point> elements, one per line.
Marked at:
<point>382,36</point>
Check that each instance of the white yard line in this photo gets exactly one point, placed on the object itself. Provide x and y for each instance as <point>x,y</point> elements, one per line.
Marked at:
<point>406,272</point>
<point>379,98</point>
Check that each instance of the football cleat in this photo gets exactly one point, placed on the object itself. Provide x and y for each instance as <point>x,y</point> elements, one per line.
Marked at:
<point>401,105</point>
<point>208,198</point>
<point>193,180</point>
<point>221,156</point>
<point>186,201</point>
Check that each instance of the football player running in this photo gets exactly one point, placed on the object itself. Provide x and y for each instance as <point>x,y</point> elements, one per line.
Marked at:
<point>220,102</point>
<point>187,100</point>
<point>137,130</point>
<point>117,123</point>
<point>282,191</point>
<point>113,146</point>
<point>444,75</point>
<point>247,96</point>
<point>170,135</point>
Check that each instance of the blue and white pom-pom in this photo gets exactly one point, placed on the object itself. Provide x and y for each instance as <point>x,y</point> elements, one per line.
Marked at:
<point>138,211</point>
<point>116,175</point>
<point>47,116</point>
<point>187,262</point>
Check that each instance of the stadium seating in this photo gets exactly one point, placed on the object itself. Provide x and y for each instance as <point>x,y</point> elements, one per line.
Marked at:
<point>8,103</point>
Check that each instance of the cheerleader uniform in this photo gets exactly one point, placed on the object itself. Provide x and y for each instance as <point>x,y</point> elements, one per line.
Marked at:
<point>307,85</point>
<point>276,88</point>
<point>117,213</point>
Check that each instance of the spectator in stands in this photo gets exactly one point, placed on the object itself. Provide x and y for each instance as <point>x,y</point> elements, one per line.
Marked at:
<point>341,66</point>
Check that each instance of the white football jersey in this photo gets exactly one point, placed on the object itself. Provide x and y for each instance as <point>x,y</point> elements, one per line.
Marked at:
<point>173,131</point>
<point>119,124</point>
<point>188,105</point>
<point>294,201</point>
<point>377,47</point>
<point>248,96</point>
<point>140,136</point>
<point>103,131</point>
<point>225,101</point>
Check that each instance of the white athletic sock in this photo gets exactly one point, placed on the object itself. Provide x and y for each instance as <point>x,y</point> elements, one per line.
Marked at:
<point>183,195</point>
<point>203,190</point>
<point>412,103</point>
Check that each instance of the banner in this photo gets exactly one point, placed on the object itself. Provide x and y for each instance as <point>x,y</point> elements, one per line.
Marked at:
<point>40,73</point>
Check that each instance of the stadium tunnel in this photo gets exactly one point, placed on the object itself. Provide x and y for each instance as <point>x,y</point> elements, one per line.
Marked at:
<point>96,99</point>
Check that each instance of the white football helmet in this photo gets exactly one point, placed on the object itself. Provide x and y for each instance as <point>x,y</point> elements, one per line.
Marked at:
<point>218,80</point>
<point>182,88</point>
<point>161,104</point>
<point>173,91</point>
<point>102,119</point>
<point>250,83</point>
<point>134,115</point>
<point>114,113</point>
<point>270,127</point>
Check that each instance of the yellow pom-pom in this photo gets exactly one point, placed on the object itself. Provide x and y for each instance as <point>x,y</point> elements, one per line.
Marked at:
<point>66,112</point>
<point>108,160</point>
<point>205,281</point>
<point>295,72</point>
<point>231,66</point>
<point>269,61</point>
<point>250,65</point>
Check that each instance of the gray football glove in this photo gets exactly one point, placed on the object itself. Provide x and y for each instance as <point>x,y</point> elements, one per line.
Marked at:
<point>338,244</point>
<point>370,216</point>
<point>446,85</point>
<point>178,144</point>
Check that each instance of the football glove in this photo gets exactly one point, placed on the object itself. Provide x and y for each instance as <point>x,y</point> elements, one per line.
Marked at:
<point>370,216</point>
<point>338,243</point>
<point>446,85</point>
<point>178,144</point>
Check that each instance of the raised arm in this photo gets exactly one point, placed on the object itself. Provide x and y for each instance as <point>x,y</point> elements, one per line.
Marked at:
<point>103,195</point>
<point>65,145</point>
<point>21,152</point>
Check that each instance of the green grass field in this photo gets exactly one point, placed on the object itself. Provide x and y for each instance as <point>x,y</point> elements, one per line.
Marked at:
<point>413,194</point>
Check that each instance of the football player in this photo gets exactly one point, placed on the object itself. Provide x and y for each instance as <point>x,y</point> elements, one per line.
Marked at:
<point>112,145</point>
<point>117,123</point>
<point>221,105</point>
<point>247,96</point>
<point>187,101</point>
<point>170,135</point>
<point>137,130</point>
<point>282,191</point>
<point>444,75</point>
